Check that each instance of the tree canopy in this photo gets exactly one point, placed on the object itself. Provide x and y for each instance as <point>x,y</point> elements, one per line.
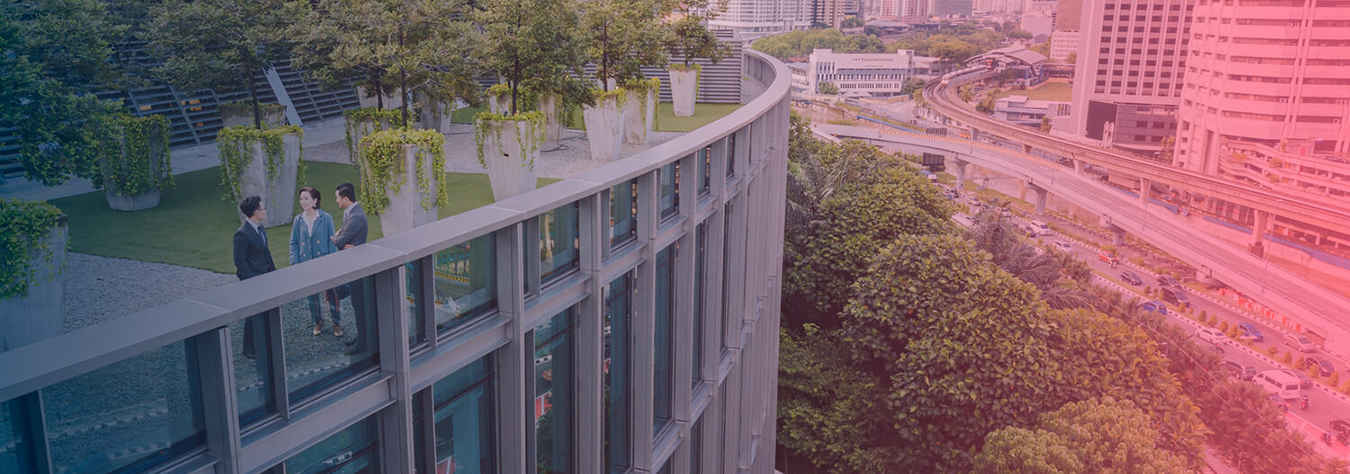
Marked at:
<point>797,44</point>
<point>1094,436</point>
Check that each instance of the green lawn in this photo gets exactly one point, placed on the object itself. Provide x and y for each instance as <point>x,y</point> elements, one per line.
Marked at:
<point>193,227</point>
<point>1053,91</point>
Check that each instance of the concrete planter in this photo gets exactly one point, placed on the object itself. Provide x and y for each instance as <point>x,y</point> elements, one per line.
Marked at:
<point>278,191</point>
<point>273,115</point>
<point>551,106</point>
<point>604,129</point>
<point>435,113</point>
<point>508,155</point>
<point>359,129</point>
<point>683,90</point>
<point>139,202</point>
<point>148,199</point>
<point>499,103</point>
<point>40,315</point>
<point>369,99</point>
<point>405,209</point>
<point>639,116</point>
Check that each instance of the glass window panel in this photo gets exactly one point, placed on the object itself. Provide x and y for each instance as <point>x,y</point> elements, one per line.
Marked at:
<point>464,420</point>
<point>553,389</point>
<point>350,451</point>
<point>696,446</point>
<point>704,169</point>
<point>466,282</point>
<point>700,284</point>
<point>128,416</point>
<point>412,308</point>
<point>670,191</point>
<point>419,432</point>
<point>731,153</point>
<point>727,313</point>
<point>558,242</point>
<point>253,390</point>
<point>665,335</point>
<point>16,446</point>
<point>617,371</point>
<point>623,213</point>
<point>666,468</point>
<point>314,363</point>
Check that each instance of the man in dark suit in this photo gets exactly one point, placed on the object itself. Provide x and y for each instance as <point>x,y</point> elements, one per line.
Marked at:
<point>252,258</point>
<point>352,233</point>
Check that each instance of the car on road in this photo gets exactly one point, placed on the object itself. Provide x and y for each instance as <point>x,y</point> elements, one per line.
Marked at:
<point>975,204</point>
<point>1323,365</point>
<point>1029,230</point>
<point>1236,369</point>
<point>1041,228</point>
<point>1062,246</point>
<point>1166,281</point>
<point>1211,335</point>
<point>1108,257</point>
<point>1304,381</point>
<point>1154,307</point>
<point>1299,342</point>
<point>1249,331</point>
<point>1340,425</point>
<point>1278,402</point>
<point>1131,278</point>
<point>1176,297</point>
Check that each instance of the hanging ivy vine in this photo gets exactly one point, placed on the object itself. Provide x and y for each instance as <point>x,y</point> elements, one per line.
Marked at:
<point>381,166</point>
<point>235,155</point>
<point>645,88</point>
<point>24,227</point>
<point>488,123</point>
<point>364,121</point>
<point>529,100</point>
<point>135,155</point>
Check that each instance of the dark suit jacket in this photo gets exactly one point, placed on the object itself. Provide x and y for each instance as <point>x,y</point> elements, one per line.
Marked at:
<point>353,229</point>
<point>251,257</point>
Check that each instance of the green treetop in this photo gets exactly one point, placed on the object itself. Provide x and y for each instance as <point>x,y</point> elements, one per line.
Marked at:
<point>689,35</point>
<point>622,36</point>
<point>1095,436</point>
<point>222,44</point>
<point>519,41</point>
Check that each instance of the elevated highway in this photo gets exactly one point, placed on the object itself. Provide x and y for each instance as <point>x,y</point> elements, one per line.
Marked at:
<point>1328,215</point>
<point>1315,308</point>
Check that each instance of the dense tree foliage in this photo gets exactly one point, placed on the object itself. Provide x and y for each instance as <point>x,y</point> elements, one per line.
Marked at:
<point>622,36</point>
<point>1089,437</point>
<point>953,43</point>
<point>690,37</point>
<point>799,44</point>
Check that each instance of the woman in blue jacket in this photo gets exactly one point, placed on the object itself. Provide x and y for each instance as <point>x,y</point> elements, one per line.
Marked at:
<point>311,238</point>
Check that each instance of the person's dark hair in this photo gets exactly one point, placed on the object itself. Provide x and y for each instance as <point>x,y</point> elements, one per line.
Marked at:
<point>347,190</point>
<point>250,205</point>
<point>313,193</point>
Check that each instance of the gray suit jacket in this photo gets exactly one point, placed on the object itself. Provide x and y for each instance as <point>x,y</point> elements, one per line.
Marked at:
<point>353,231</point>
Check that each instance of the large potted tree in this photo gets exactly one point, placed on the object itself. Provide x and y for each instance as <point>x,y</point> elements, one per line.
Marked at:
<point>621,37</point>
<point>32,257</point>
<point>221,45</point>
<point>135,162</point>
<point>690,39</point>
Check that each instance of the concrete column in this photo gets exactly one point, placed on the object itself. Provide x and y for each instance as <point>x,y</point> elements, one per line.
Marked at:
<point>1145,189</point>
<point>1026,148</point>
<point>1079,166</point>
<point>960,173</point>
<point>1259,230</point>
<point>1041,195</point>
<point>1117,236</point>
<point>974,134</point>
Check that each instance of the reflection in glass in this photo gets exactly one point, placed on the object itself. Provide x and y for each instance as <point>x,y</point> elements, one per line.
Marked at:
<point>670,191</point>
<point>350,451</point>
<point>727,314</point>
<point>700,281</point>
<point>704,169</point>
<point>412,307</point>
<point>466,282</point>
<point>129,415</point>
<point>252,369</point>
<point>314,363</point>
<point>665,340</point>
<point>553,388</point>
<point>666,468</point>
<point>623,213</point>
<point>731,153</point>
<point>696,446</point>
<point>16,447</point>
<point>617,373</point>
<point>558,242</point>
<point>464,420</point>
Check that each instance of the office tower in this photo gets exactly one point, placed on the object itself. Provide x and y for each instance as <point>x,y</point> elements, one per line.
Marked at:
<point>1064,41</point>
<point>1127,80</point>
<point>1265,97</point>
<point>829,13</point>
<point>947,8</point>
<point>755,18</point>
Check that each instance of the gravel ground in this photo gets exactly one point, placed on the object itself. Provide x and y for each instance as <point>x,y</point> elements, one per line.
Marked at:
<point>101,289</point>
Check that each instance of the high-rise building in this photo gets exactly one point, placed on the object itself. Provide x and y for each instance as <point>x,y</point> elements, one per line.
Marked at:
<point>1127,80</point>
<point>998,6</point>
<point>755,18</point>
<point>914,10</point>
<point>1063,44</point>
<point>1064,41</point>
<point>948,8</point>
<point>1267,97</point>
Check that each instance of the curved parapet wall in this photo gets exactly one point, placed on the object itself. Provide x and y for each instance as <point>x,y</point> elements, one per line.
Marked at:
<point>513,299</point>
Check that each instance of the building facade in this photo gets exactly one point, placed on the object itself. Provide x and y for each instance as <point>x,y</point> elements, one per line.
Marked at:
<point>1267,102</point>
<point>951,8</point>
<point>869,75</point>
<point>621,321</point>
<point>1020,110</point>
<point>1063,45</point>
<point>1131,54</point>
<point>752,19</point>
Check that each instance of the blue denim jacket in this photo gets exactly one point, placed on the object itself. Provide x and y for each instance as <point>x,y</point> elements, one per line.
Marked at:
<point>307,245</point>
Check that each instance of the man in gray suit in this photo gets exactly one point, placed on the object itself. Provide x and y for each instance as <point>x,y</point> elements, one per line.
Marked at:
<point>353,233</point>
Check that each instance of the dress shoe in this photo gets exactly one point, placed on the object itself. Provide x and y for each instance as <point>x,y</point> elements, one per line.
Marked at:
<point>337,330</point>
<point>318,328</point>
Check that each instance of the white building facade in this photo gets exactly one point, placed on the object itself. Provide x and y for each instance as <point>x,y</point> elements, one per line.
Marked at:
<point>757,18</point>
<point>863,75</point>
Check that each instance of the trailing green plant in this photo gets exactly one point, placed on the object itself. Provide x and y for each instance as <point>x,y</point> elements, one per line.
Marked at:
<point>618,95</point>
<point>135,155</point>
<point>381,159</point>
<point>529,100</point>
<point>234,144</point>
<point>365,121</point>
<point>488,123</point>
<point>645,88</point>
<point>24,226</point>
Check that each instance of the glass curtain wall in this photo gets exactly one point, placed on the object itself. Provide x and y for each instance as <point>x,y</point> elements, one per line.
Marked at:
<point>354,450</point>
<point>663,401</point>
<point>623,213</point>
<point>700,284</point>
<point>617,372</point>
<point>463,414</point>
<point>558,242</point>
<point>670,190</point>
<point>552,404</point>
<point>465,281</point>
